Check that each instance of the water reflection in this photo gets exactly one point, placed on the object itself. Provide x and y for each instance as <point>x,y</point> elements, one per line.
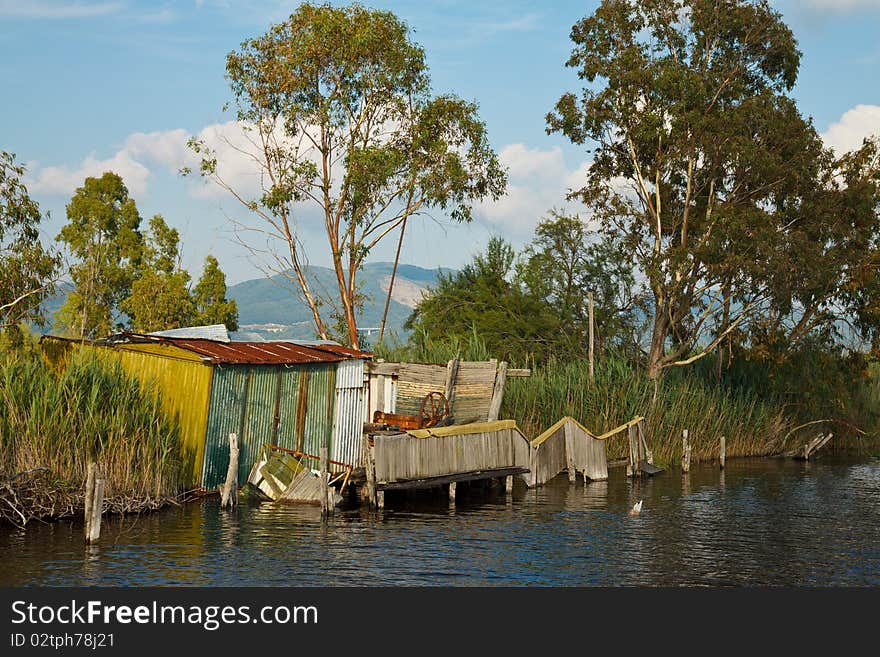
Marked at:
<point>757,522</point>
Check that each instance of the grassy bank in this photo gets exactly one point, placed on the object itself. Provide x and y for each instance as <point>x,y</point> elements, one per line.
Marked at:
<point>53,424</point>
<point>752,427</point>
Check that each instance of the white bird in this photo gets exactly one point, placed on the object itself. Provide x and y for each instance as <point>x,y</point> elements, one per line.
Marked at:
<point>637,508</point>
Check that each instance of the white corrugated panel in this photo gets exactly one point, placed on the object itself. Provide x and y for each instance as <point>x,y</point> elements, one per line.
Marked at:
<point>348,414</point>
<point>216,332</point>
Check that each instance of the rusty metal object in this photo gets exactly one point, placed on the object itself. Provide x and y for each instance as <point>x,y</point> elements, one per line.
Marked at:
<point>433,411</point>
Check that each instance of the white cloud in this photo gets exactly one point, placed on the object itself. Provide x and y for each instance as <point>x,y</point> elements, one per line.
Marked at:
<point>63,180</point>
<point>538,181</point>
<point>57,9</point>
<point>143,153</point>
<point>847,133</point>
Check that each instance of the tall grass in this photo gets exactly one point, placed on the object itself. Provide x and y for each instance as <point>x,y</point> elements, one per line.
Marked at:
<point>90,411</point>
<point>621,392</point>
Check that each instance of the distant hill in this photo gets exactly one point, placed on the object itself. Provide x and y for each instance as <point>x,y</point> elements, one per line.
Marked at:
<point>274,301</point>
<point>270,307</point>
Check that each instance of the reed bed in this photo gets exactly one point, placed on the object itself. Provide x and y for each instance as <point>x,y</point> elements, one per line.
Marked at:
<point>54,423</point>
<point>620,392</point>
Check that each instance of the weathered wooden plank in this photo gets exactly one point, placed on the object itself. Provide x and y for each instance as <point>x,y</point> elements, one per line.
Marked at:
<point>498,392</point>
<point>91,470</point>
<point>97,511</point>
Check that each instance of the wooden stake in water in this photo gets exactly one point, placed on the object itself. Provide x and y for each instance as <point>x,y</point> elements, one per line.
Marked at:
<point>97,510</point>
<point>723,451</point>
<point>685,452</point>
<point>325,485</point>
<point>370,471</point>
<point>229,490</point>
<point>89,496</point>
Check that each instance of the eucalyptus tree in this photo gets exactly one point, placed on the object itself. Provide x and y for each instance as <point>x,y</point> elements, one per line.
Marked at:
<point>338,108</point>
<point>701,157</point>
<point>104,240</point>
<point>209,297</point>
<point>160,297</point>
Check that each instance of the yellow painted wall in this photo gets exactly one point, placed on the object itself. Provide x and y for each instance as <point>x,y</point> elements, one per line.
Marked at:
<point>181,378</point>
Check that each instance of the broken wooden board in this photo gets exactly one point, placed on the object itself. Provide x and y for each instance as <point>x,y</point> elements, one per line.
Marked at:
<point>283,478</point>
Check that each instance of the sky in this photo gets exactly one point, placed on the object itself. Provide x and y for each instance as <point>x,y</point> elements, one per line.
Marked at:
<point>119,85</point>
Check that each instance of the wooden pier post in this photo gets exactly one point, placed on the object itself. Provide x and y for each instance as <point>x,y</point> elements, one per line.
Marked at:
<point>89,497</point>
<point>498,392</point>
<point>97,512</point>
<point>452,493</point>
<point>370,471</point>
<point>325,485</point>
<point>685,452</point>
<point>380,499</point>
<point>723,452</point>
<point>229,490</point>
<point>508,484</point>
<point>451,378</point>
<point>569,452</point>
<point>633,468</point>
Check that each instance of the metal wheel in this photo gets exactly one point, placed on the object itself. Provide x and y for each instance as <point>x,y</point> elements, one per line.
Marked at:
<point>434,408</point>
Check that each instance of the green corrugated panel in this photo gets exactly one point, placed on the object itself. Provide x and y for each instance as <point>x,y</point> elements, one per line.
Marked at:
<point>290,425</point>
<point>244,399</point>
<point>260,417</point>
<point>224,417</point>
<point>319,417</point>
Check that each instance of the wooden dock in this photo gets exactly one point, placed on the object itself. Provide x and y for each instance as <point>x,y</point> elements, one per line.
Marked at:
<point>424,458</point>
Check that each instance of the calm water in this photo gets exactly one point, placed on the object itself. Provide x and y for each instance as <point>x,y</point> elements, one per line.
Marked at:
<point>760,522</point>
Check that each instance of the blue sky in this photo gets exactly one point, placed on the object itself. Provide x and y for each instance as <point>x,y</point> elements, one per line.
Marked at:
<point>95,85</point>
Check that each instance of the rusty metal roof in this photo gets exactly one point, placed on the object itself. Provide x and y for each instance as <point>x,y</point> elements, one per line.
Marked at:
<point>250,353</point>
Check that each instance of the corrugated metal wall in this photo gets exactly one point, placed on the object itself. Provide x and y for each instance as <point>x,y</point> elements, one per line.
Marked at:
<point>288,405</point>
<point>345,445</point>
<point>184,386</point>
<point>225,416</point>
<point>181,379</point>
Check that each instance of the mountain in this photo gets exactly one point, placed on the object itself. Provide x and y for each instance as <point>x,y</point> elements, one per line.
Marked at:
<point>272,305</point>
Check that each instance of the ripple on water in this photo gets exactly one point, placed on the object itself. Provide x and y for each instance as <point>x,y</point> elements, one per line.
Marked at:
<point>760,522</point>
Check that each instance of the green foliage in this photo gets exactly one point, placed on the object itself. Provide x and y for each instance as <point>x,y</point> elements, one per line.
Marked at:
<point>209,298</point>
<point>160,297</point>
<point>339,105</point>
<point>705,173</point>
<point>102,235</point>
<point>564,263</point>
<point>89,411</point>
<point>125,279</point>
<point>483,299</point>
<point>27,269</point>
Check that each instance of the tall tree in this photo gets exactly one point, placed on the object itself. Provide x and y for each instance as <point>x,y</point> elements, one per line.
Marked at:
<point>209,298</point>
<point>700,156</point>
<point>485,299</point>
<point>338,106</point>
<point>566,261</point>
<point>102,235</point>
<point>160,297</point>
<point>27,268</point>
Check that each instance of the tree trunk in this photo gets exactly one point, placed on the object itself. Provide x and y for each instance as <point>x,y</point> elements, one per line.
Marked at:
<point>658,344</point>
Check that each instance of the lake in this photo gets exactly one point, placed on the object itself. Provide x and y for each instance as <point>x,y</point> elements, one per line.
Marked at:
<point>758,522</point>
